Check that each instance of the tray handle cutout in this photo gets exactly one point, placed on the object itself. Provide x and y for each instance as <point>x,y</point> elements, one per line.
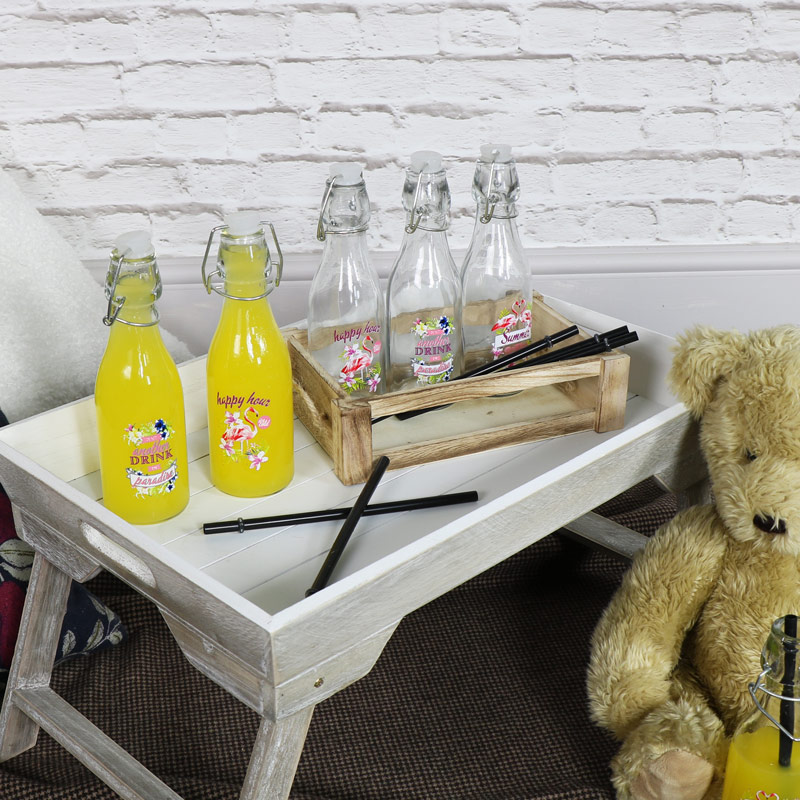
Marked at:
<point>119,555</point>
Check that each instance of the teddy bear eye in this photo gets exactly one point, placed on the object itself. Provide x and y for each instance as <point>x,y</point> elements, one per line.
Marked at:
<point>750,455</point>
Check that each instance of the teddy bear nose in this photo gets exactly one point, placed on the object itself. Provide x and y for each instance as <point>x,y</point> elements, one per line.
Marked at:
<point>769,524</point>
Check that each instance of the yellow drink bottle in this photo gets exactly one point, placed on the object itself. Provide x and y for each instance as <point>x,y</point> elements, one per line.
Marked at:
<point>249,377</point>
<point>764,756</point>
<point>138,397</point>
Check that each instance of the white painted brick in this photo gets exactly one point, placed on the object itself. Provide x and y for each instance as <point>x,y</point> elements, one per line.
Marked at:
<point>680,221</point>
<point>335,35</point>
<point>464,135</point>
<point>33,40</point>
<point>682,129</point>
<point>617,178</point>
<point>603,131</point>
<point>174,36</point>
<point>182,233</point>
<point>759,82</point>
<point>710,32</point>
<point>559,30</point>
<point>623,224</point>
<point>717,175</point>
<point>487,30</point>
<point>101,40</point>
<point>73,228</point>
<point>755,220</point>
<point>195,137</point>
<point>258,34</point>
<point>105,225</point>
<point>638,31</point>
<point>753,130</point>
<point>780,29</point>
<point>120,139</point>
<point>28,91</point>
<point>143,186</point>
<point>50,143</point>
<point>196,87</point>
<point>387,33</point>
<point>632,81</point>
<point>270,131</point>
<point>772,175</point>
<point>372,132</point>
<point>549,226</point>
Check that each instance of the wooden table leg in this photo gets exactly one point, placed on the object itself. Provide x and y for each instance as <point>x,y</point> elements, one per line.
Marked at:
<point>275,756</point>
<point>37,644</point>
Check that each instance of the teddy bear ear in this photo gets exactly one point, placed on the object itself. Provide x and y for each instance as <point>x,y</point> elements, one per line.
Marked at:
<point>702,357</point>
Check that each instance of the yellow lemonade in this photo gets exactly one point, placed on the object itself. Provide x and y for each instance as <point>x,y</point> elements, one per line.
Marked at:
<point>753,771</point>
<point>250,414</point>
<point>140,414</point>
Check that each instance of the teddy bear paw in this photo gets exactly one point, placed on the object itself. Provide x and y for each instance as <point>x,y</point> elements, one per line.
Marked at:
<point>676,775</point>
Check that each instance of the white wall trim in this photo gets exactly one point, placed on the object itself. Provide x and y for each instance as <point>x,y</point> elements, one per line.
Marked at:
<point>548,261</point>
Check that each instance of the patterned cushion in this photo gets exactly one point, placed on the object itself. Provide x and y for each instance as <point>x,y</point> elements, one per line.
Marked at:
<point>89,625</point>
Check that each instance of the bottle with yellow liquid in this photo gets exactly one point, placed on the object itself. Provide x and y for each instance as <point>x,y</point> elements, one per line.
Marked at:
<point>764,756</point>
<point>138,395</point>
<point>249,377</point>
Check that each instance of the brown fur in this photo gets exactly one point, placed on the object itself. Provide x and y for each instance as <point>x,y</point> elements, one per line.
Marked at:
<point>681,638</point>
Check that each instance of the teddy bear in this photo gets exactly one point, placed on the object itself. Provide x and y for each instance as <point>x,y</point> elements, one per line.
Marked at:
<point>675,649</point>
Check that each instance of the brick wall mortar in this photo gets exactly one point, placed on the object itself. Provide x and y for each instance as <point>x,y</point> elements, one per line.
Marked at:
<point>635,121</point>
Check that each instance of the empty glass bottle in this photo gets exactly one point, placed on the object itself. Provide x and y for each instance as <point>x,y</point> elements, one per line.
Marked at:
<point>424,292</point>
<point>345,304</point>
<point>495,277</point>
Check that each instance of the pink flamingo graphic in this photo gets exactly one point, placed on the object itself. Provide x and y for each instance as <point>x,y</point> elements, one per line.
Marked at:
<point>240,430</point>
<point>362,358</point>
<point>517,310</point>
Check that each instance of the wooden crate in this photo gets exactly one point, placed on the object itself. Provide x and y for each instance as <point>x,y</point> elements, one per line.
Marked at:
<point>485,412</point>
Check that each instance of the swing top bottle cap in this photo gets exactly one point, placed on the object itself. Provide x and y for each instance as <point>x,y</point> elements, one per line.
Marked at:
<point>346,173</point>
<point>243,223</point>
<point>134,245</point>
<point>428,161</point>
<point>500,153</point>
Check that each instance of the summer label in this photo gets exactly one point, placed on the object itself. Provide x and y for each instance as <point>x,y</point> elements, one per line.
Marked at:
<point>152,468</point>
<point>512,330</point>
<point>433,353</point>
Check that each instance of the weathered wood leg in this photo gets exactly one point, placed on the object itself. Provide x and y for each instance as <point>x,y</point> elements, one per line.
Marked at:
<point>37,643</point>
<point>275,756</point>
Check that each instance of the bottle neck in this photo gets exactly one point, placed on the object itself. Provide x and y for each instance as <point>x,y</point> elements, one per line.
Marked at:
<point>243,263</point>
<point>342,246</point>
<point>133,288</point>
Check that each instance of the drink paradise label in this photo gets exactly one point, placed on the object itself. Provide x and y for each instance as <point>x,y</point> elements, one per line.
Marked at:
<point>152,467</point>
<point>358,370</point>
<point>243,437</point>
<point>512,330</point>
<point>433,353</point>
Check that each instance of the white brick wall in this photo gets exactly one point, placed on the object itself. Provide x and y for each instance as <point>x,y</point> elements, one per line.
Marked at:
<point>633,121</point>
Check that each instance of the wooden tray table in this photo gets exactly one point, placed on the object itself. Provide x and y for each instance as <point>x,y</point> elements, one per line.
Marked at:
<point>235,602</point>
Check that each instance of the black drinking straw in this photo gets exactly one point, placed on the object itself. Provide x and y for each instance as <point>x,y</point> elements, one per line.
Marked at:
<point>303,517</point>
<point>356,512</point>
<point>599,343</point>
<point>787,706</point>
<point>496,366</point>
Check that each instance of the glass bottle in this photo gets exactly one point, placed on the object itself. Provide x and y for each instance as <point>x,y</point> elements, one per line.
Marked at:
<point>138,397</point>
<point>764,756</point>
<point>249,377</point>
<point>424,292</point>
<point>495,278</point>
<point>345,303</point>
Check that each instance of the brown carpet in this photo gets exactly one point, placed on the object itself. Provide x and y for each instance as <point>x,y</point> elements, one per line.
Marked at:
<point>478,696</point>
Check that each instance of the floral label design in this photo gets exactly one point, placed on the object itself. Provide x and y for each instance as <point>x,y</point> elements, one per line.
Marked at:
<point>433,353</point>
<point>239,443</point>
<point>513,329</point>
<point>358,371</point>
<point>153,469</point>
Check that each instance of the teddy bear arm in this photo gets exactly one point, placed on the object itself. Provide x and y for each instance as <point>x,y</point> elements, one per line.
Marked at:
<point>638,641</point>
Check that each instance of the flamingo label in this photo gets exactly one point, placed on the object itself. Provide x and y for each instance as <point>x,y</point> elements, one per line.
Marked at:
<point>152,469</point>
<point>239,440</point>
<point>512,330</point>
<point>433,352</point>
<point>361,369</point>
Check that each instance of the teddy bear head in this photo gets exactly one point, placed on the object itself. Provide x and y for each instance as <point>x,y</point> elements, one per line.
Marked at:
<point>745,390</point>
